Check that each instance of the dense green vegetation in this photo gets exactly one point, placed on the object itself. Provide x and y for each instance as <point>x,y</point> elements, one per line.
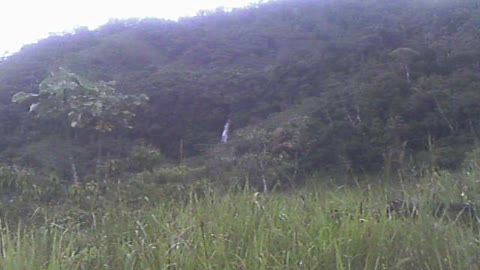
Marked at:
<point>323,227</point>
<point>111,158</point>
<point>396,82</point>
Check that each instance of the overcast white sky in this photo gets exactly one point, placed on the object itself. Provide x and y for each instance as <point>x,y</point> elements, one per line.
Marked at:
<point>26,21</point>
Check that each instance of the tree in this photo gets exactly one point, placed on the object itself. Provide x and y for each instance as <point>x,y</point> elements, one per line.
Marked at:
<point>405,56</point>
<point>79,103</point>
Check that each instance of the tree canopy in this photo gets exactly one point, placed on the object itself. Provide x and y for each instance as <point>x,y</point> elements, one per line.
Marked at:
<point>392,81</point>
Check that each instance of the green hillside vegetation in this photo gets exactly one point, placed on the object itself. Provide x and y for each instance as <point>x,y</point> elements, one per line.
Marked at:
<point>111,157</point>
<point>393,80</point>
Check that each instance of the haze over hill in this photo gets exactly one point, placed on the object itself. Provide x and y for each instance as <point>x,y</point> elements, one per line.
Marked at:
<point>20,26</point>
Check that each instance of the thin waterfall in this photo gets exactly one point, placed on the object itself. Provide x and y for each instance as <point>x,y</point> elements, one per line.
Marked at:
<point>225,132</point>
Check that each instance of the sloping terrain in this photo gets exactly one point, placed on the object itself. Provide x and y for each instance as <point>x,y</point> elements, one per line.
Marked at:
<point>396,81</point>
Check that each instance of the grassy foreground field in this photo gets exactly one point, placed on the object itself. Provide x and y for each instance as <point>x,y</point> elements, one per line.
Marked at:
<point>319,227</point>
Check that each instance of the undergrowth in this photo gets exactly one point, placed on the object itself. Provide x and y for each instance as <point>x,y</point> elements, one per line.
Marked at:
<point>317,227</point>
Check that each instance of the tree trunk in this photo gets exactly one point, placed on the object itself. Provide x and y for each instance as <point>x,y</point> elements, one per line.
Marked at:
<point>70,143</point>
<point>99,154</point>
<point>407,72</point>
<point>261,163</point>
<point>74,170</point>
<point>181,151</point>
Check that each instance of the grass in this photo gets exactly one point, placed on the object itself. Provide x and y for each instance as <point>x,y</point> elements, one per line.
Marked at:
<point>317,227</point>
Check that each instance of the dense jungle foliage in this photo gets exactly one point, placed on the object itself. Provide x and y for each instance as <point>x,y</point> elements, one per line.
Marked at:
<point>312,85</point>
<point>361,115</point>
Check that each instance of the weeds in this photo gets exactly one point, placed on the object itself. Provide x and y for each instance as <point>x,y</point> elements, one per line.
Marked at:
<point>319,227</point>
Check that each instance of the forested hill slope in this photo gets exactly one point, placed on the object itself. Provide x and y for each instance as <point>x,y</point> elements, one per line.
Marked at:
<point>394,80</point>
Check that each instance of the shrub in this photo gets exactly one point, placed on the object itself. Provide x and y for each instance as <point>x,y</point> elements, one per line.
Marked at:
<point>145,157</point>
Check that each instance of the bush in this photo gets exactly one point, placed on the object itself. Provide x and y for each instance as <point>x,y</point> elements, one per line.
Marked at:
<point>174,174</point>
<point>145,157</point>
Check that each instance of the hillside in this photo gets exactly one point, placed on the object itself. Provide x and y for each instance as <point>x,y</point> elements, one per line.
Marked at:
<point>395,86</point>
<point>353,140</point>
